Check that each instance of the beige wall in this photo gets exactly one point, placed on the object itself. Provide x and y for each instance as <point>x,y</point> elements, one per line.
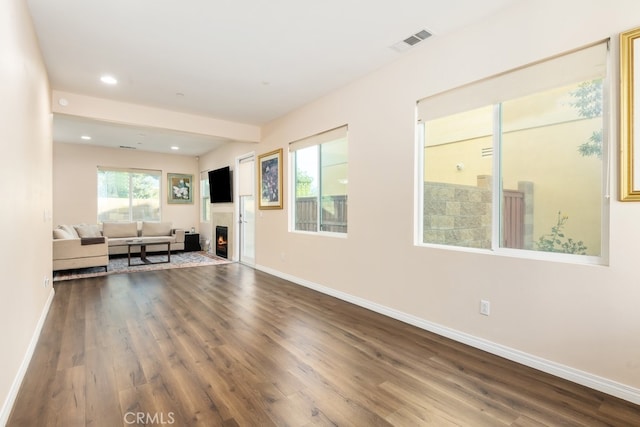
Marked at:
<point>227,155</point>
<point>25,171</point>
<point>584,318</point>
<point>577,316</point>
<point>75,188</point>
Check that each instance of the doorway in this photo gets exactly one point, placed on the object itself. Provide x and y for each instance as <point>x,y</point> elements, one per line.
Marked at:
<point>246,210</point>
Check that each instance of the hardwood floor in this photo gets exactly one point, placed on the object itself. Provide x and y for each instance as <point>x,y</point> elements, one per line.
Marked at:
<point>231,346</point>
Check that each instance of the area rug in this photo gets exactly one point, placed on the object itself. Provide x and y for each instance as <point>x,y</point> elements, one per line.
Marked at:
<point>119,264</point>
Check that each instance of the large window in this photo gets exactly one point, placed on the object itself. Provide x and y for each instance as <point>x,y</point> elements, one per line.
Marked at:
<point>320,178</point>
<point>516,161</point>
<point>128,195</point>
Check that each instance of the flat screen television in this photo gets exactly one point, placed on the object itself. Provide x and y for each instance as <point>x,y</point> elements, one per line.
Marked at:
<point>220,181</point>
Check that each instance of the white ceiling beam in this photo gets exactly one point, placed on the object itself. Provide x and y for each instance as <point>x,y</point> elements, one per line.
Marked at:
<point>141,115</point>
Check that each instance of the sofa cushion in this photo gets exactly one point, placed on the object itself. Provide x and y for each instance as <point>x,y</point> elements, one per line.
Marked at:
<point>156,229</point>
<point>117,229</point>
<point>61,233</point>
<point>88,230</point>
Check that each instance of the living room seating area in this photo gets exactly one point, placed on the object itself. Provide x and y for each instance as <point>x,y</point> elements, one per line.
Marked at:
<point>83,245</point>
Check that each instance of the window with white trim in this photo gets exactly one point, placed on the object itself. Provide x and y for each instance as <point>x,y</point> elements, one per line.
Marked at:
<point>320,181</point>
<point>205,200</point>
<point>128,195</point>
<point>517,161</point>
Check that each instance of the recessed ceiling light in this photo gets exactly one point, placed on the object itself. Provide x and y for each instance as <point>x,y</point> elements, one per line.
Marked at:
<point>85,137</point>
<point>109,80</point>
<point>175,148</point>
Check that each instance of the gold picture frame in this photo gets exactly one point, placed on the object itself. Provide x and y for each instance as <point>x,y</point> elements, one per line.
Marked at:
<point>179,188</point>
<point>629,116</point>
<point>270,180</point>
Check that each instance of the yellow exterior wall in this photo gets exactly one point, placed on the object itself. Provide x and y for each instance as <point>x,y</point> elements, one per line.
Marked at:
<point>534,151</point>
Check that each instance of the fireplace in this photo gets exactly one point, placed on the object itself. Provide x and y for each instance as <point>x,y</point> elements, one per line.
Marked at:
<point>221,241</point>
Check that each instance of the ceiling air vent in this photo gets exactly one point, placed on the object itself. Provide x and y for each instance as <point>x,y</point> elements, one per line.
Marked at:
<point>411,41</point>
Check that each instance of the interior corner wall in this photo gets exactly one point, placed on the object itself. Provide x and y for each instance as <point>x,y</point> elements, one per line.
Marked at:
<point>25,172</point>
<point>582,317</point>
<point>75,182</point>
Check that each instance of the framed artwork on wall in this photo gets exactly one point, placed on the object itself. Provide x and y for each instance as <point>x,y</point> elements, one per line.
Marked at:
<point>270,180</point>
<point>629,115</point>
<point>180,188</point>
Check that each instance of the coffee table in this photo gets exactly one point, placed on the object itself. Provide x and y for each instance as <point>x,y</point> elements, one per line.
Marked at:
<point>143,243</point>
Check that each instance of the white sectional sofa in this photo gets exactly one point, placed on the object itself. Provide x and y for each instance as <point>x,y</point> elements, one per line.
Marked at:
<point>82,246</point>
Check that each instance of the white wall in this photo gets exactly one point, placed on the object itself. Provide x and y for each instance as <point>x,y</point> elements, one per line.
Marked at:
<point>25,173</point>
<point>75,182</point>
<point>582,318</point>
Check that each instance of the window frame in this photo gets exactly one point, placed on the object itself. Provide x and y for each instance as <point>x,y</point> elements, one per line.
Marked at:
<point>130,171</point>
<point>205,198</point>
<point>497,190</point>
<point>316,141</point>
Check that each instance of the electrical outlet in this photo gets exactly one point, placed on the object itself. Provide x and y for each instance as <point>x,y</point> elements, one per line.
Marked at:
<point>45,282</point>
<point>485,307</point>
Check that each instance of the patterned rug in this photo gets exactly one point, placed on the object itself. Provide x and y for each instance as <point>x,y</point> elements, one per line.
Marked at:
<point>119,264</point>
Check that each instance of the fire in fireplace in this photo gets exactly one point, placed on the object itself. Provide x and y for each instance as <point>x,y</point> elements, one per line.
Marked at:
<point>221,241</point>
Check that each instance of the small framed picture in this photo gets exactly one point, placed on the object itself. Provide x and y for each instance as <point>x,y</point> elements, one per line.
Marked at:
<point>180,188</point>
<point>270,180</point>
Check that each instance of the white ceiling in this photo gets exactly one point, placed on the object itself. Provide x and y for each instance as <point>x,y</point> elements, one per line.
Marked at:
<point>246,61</point>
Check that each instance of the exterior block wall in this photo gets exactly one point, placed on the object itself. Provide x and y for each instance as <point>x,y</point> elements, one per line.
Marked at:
<point>457,215</point>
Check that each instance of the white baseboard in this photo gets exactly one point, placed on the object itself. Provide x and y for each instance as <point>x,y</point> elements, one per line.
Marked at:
<point>17,381</point>
<point>586,379</point>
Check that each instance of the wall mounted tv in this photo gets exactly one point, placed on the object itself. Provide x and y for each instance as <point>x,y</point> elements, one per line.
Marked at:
<point>220,185</point>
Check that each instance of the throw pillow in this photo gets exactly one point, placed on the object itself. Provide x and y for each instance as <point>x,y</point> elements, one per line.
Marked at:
<point>69,229</point>
<point>88,230</point>
<point>59,233</point>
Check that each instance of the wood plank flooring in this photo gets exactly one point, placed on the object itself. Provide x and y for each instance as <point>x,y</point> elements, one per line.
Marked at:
<point>230,346</point>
